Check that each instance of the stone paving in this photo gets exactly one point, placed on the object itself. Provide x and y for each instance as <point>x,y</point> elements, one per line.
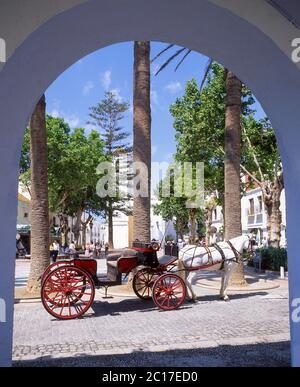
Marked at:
<point>251,329</point>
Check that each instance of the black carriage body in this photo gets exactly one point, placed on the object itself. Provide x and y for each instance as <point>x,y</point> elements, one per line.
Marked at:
<point>146,254</point>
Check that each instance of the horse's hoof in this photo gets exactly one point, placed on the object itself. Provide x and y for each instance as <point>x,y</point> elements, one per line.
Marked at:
<point>226,299</point>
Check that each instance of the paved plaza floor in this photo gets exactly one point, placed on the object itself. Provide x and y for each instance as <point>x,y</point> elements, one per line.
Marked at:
<point>250,330</point>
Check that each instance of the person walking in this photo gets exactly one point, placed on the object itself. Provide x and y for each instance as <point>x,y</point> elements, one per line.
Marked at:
<point>98,249</point>
<point>106,249</point>
<point>72,247</point>
<point>264,242</point>
<point>55,250</point>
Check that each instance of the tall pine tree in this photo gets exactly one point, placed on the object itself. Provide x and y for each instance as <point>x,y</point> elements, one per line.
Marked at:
<point>107,116</point>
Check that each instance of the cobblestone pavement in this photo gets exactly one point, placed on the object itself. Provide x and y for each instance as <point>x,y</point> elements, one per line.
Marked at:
<point>252,329</point>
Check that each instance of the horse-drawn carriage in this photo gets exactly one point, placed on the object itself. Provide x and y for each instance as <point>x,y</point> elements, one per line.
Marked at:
<point>68,286</point>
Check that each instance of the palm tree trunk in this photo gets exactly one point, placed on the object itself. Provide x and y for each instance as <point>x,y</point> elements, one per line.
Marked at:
<point>142,136</point>
<point>233,227</point>
<point>39,197</point>
<point>192,219</point>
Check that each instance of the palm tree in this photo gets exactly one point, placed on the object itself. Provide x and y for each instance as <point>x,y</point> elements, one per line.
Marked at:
<point>232,158</point>
<point>142,137</point>
<point>39,197</point>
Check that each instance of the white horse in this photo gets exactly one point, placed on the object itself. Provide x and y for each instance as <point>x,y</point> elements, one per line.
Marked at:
<point>193,256</point>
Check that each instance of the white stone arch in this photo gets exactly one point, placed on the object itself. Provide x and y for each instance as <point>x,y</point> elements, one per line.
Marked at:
<point>253,53</point>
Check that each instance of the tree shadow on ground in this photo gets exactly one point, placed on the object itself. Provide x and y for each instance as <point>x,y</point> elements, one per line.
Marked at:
<point>275,354</point>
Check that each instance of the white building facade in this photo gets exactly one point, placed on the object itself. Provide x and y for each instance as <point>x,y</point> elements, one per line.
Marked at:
<point>122,228</point>
<point>254,216</point>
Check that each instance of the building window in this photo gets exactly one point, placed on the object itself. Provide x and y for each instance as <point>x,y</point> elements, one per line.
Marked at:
<point>259,204</point>
<point>251,206</point>
<point>25,214</point>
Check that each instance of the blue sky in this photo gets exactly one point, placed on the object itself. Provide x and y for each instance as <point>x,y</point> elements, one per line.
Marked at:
<point>84,83</point>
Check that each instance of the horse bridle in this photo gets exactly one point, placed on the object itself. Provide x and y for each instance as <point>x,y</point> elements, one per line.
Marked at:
<point>239,256</point>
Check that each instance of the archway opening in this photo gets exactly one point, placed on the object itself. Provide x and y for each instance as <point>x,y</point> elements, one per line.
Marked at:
<point>105,80</point>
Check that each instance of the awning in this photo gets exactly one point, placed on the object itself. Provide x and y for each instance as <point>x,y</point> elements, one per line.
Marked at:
<point>23,228</point>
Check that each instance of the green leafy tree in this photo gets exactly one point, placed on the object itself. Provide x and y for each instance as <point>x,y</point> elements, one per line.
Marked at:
<point>73,177</point>
<point>261,162</point>
<point>72,158</point>
<point>175,204</point>
<point>171,207</point>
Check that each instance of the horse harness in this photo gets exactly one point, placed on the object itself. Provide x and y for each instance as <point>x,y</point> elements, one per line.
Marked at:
<point>236,253</point>
<point>220,250</point>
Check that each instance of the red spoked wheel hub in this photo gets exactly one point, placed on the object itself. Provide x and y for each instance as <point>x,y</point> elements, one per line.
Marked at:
<point>142,283</point>
<point>169,291</point>
<point>67,292</point>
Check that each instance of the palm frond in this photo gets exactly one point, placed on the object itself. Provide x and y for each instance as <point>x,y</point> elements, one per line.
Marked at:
<point>207,70</point>
<point>162,51</point>
<point>182,59</point>
<point>169,60</point>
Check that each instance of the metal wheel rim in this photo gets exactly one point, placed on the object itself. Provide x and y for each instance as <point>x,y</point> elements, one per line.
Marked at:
<point>169,292</point>
<point>142,283</point>
<point>67,292</point>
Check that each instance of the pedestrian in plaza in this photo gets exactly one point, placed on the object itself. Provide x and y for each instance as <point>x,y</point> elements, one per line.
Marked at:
<point>102,252</point>
<point>55,250</point>
<point>106,248</point>
<point>87,250</point>
<point>264,242</point>
<point>72,247</point>
<point>98,249</point>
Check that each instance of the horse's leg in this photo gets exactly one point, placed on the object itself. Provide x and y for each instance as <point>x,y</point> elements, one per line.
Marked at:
<point>184,274</point>
<point>223,282</point>
<point>189,286</point>
<point>229,267</point>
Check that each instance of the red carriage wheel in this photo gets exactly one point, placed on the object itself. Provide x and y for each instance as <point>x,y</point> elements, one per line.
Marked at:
<point>169,291</point>
<point>142,283</point>
<point>54,266</point>
<point>67,292</point>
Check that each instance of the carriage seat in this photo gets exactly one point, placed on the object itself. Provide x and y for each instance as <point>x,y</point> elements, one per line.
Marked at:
<point>122,253</point>
<point>121,262</point>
